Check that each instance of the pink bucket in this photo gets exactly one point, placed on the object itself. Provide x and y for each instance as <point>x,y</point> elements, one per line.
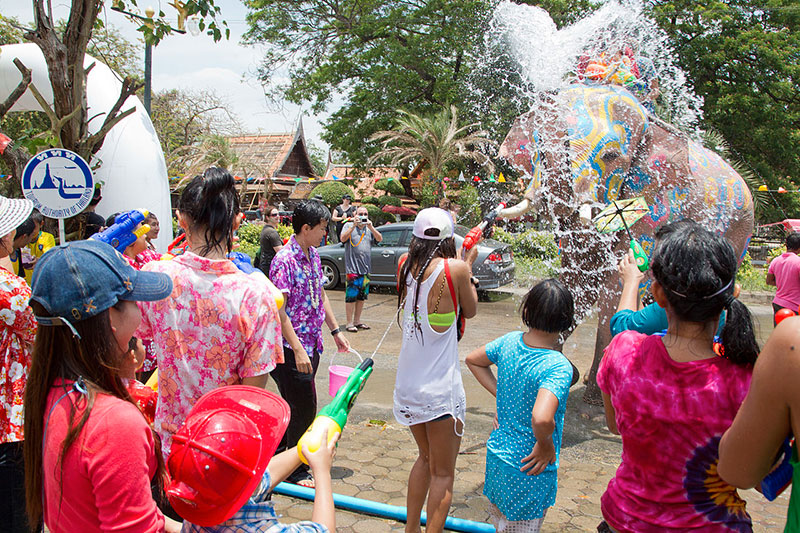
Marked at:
<point>338,374</point>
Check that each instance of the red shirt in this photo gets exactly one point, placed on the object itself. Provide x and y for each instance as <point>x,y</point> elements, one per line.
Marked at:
<point>104,482</point>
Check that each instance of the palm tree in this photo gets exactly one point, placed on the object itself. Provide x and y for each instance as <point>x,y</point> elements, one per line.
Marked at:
<point>433,141</point>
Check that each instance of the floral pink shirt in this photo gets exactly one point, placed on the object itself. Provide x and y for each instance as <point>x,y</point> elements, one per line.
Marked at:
<point>17,331</point>
<point>217,327</point>
<point>671,416</point>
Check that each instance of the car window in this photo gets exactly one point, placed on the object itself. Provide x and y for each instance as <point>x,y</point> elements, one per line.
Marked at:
<point>391,237</point>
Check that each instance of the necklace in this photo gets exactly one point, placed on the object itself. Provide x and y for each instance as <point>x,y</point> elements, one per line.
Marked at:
<point>314,290</point>
<point>359,240</point>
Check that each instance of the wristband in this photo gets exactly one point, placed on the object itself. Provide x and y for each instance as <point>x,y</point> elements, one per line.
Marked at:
<point>475,281</point>
<point>335,332</point>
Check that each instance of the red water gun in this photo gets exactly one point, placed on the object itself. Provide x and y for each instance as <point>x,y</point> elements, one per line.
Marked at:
<point>477,233</point>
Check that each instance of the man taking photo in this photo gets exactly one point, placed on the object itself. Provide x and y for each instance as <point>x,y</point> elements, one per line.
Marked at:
<point>357,237</point>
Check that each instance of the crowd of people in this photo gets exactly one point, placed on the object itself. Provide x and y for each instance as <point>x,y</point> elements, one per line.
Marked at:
<point>87,446</point>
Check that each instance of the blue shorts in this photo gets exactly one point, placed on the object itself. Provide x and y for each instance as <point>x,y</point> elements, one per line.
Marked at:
<point>357,288</point>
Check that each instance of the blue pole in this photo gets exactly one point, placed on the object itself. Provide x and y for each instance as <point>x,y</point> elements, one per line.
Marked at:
<point>384,510</point>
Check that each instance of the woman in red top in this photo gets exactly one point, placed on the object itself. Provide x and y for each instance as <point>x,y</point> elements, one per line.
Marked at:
<point>90,455</point>
<point>17,329</point>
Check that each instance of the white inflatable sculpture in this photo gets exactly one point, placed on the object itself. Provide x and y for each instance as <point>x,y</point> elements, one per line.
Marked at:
<point>132,167</point>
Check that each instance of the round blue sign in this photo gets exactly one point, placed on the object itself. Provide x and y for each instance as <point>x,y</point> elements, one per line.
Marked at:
<point>58,182</point>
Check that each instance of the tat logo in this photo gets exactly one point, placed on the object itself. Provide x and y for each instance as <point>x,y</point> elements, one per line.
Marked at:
<point>58,182</point>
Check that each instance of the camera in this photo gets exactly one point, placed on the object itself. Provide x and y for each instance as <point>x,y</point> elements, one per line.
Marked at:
<point>363,219</point>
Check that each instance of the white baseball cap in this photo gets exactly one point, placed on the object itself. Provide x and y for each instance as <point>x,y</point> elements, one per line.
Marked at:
<point>13,212</point>
<point>433,218</point>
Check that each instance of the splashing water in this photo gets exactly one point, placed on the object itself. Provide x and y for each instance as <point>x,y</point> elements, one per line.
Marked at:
<point>525,60</point>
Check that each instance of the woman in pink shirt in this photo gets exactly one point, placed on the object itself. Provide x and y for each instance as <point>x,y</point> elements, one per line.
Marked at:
<point>90,456</point>
<point>671,397</point>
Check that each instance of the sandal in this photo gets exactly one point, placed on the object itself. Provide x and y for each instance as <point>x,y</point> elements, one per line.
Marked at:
<point>362,326</point>
<point>304,479</point>
<point>352,329</point>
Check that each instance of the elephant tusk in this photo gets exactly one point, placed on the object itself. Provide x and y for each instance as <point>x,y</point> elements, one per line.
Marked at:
<point>516,210</point>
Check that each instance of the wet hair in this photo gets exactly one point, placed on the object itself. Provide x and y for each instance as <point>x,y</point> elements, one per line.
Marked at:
<point>212,204</point>
<point>26,228</point>
<point>548,307</point>
<point>793,241</point>
<point>310,212</point>
<point>665,229</point>
<point>95,359</point>
<point>697,270</point>
<point>420,254</point>
<point>37,217</point>
<point>151,217</point>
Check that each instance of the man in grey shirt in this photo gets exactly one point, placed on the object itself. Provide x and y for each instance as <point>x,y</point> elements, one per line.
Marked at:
<point>357,238</point>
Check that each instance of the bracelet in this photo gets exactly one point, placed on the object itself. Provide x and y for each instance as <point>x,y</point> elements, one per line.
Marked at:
<point>336,331</point>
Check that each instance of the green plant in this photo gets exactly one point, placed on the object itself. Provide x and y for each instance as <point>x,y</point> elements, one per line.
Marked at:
<point>250,237</point>
<point>469,202</point>
<point>429,194</point>
<point>389,200</point>
<point>377,216</point>
<point>530,269</point>
<point>530,244</point>
<point>332,192</point>
<point>369,200</point>
<point>750,277</point>
<point>391,186</point>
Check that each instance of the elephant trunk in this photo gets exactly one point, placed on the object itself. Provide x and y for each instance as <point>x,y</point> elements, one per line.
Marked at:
<point>516,210</point>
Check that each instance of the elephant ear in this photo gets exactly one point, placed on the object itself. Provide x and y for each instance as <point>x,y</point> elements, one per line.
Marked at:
<point>660,163</point>
<point>520,149</point>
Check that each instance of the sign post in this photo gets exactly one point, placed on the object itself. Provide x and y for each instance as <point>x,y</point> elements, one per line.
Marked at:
<point>59,183</point>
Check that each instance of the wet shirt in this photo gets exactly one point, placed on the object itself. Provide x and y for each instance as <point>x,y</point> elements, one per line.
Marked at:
<point>217,327</point>
<point>671,416</point>
<point>300,279</point>
<point>358,250</point>
<point>521,372</point>
<point>17,331</point>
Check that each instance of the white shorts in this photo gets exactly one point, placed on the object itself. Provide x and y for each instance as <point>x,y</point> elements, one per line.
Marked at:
<point>504,525</point>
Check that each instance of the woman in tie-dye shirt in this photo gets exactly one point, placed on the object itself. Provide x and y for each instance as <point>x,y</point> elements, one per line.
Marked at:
<point>671,397</point>
<point>219,326</point>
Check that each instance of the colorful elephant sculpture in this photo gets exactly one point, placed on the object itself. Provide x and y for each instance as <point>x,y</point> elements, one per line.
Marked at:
<point>585,146</point>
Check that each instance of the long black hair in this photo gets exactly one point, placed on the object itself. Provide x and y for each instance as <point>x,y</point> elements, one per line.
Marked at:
<point>697,270</point>
<point>420,254</point>
<point>211,202</point>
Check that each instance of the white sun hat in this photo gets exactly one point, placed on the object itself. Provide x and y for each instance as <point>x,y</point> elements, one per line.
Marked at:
<point>433,218</point>
<point>13,212</point>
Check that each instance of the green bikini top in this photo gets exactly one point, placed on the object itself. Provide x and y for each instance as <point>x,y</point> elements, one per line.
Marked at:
<point>442,320</point>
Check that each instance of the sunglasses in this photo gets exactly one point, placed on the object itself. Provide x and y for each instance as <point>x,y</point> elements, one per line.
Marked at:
<point>273,214</point>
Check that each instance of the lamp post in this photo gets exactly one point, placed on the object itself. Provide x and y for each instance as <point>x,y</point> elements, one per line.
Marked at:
<point>149,13</point>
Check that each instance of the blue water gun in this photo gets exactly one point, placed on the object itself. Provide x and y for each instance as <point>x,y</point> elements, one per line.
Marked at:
<point>777,480</point>
<point>123,232</point>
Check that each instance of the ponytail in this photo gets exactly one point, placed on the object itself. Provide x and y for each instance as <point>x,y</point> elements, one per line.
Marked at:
<point>738,338</point>
<point>211,202</point>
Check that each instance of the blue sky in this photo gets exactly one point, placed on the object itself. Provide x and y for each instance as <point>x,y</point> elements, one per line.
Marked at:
<point>188,62</point>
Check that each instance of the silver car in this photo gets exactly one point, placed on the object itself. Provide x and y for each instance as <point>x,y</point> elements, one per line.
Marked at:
<point>494,266</point>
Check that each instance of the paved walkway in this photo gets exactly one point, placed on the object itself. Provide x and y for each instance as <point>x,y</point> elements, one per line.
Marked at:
<point>375,453</point>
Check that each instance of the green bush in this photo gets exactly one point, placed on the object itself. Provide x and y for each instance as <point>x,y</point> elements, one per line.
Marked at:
<point>332,192</point>
<point>530,244</point>
<point>392,186</point>
<point>469,206</point>
<point>250,234</point>
<point>377,216</point>
<point>530,270</point>
<point>751,278</point>
<point>369,200</point>
<point>428,195</point>
<point>389,200</point>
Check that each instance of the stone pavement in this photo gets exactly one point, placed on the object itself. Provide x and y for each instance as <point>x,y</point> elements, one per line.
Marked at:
<point>375,453</point>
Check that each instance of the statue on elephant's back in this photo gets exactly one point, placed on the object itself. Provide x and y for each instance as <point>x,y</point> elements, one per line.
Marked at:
<point>585,146</point>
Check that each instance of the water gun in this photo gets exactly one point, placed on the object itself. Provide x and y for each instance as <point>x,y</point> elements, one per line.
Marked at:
<point>642,262</point>
<point>476,233</point>
<point>123,232</point>
<point>333,416</point>
<point>777,480</point>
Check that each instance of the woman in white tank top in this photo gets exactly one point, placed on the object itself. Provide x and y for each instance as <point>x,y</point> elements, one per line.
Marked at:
<point>428,394</point>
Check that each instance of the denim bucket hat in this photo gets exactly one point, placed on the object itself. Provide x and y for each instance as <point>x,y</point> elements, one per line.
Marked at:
<point>81,279</point>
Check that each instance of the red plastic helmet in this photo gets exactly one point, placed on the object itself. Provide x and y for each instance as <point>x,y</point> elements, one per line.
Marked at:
<point>219,455</point>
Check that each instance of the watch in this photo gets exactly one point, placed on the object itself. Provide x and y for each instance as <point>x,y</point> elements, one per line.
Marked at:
<point>475,281</point>
<point>336,331</point>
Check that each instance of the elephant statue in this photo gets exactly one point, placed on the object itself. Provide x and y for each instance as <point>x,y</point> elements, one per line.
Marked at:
<point>584,146</point>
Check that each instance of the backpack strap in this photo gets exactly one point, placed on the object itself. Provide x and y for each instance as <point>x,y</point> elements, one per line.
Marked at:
<point>450,283</point>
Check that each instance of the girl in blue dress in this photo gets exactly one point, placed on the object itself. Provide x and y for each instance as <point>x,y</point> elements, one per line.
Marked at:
<point>531,387</point>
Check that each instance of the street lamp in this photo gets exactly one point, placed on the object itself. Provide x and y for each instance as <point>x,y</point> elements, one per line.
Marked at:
<point>148,48</point>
